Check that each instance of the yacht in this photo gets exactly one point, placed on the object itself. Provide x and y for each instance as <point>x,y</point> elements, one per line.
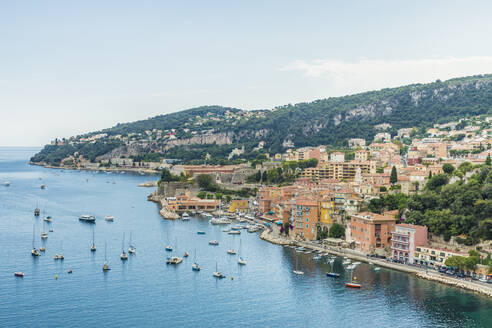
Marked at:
<point>44,234</point>
<point>87,218</point>
<point>297,271</point>
<point>123,255</point>
<point>34,251</point>
<point>174,260</point>
<point>195,266</point>
<point>213,243</point>
<point>109,218</point>
<point>105,265</point>
<point>185,216</point>
<point>217,274</point>
<point>131,247</point>
<point>93,246</point>
<point>231,252</point>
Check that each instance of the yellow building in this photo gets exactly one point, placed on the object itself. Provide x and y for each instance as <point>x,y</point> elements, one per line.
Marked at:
<point>326,211</point>
<point>240,205</point>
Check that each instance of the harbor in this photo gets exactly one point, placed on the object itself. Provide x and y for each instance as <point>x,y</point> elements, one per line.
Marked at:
<point>272,291</point>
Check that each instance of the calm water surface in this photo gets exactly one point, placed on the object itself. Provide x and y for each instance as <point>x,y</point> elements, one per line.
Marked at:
<point>144,291</point>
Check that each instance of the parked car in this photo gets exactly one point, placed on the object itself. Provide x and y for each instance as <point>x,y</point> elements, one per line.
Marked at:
<point>450,272</point>
<point>459,275</point>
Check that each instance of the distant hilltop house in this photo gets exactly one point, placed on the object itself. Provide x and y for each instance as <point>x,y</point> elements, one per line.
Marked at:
<point>356,142</point>
<point>382,137</point>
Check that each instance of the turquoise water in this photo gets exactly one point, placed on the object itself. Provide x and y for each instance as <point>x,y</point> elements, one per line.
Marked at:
<point>144,291</point>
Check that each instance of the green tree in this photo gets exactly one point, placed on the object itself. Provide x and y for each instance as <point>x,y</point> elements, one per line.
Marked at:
<point>202,195</point>
<point>337,231</point>
<point>394,176</point>
<point>488,161</point>
<point>205,181</point>
<point>448,168</point>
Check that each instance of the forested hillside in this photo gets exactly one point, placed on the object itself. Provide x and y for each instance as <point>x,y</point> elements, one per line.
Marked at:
<point>215,130</point>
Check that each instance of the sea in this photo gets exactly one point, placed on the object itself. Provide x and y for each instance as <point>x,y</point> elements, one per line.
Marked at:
<point>144,291</point>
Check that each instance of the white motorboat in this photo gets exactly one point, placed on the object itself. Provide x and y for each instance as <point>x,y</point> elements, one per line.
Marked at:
<point>213,243</point>
<point>241,261</point>
<point>174,260</point>
<point>6,183</point>
<point>169,248</point>
<point>109,218</point>
<point>87,218</point>
<point>234,232</point>
<point>231,251</point>
<point>185,216</point>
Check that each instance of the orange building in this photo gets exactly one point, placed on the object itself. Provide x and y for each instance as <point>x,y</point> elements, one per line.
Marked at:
<point>371,231</point>
<point>305,219</point>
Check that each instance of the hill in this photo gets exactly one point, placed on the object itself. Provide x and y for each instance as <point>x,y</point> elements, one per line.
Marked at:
<point>191,134</point>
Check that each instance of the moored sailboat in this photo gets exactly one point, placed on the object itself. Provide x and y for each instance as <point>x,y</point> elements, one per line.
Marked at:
<point>123,255</point>
<point>34,251</point>
<point>131,247</point>
<point>106,264</point>
<point>216,273</point>
<point>93,246</point>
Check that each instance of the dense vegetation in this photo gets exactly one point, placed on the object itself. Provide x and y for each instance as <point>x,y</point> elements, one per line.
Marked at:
<point>462,208</point>
<point>327,121</point>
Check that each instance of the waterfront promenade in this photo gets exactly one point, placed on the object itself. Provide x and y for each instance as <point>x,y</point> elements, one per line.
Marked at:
<point>272,234</point>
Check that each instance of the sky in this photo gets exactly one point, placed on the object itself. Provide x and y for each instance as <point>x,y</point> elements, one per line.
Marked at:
<point>71,67</point>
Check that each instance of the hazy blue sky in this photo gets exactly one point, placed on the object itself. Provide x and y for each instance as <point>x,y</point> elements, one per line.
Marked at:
<point>69,67</point>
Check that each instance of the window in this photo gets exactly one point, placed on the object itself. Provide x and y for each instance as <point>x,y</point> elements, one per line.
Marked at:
<point>307,225</point>
<point>307,220</point>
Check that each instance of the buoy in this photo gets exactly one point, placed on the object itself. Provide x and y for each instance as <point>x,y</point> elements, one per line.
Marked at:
<point>56,277</point>
<point>232,278</point>
<point>70,271</point>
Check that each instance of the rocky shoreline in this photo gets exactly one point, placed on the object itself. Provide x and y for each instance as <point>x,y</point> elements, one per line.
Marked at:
<point>102,169</point>
<point>164,212</point>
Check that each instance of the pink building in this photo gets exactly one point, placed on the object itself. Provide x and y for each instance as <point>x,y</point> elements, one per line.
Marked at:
<point>405,239</point>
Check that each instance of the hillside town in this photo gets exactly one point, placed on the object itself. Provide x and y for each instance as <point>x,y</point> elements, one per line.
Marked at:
<point>338,190</point>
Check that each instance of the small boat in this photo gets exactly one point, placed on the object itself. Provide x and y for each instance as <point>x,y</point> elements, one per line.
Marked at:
<point>240,260</point>
<point>43,186</point>
<point>47,219</point>
<point>213,243</point>
<point>51,229</point>
<point>353,282</point>
<point>316,258</point>
<point>42,249</point>
<point>195,266</point>
<point>174,260</point>
<point>200,232</point>
<point>105,265</point>
<point>34,251</point>
<point>131,247</point>
<point>297,271</point>
<point>236,227</point>
<point>6,183</point>
<point>185,216</point>
<point>377,268</point>
<point>70,271</point>
<point>231,252</point>
<point>37,211</point>
<point>93,246</point>
<point>217,274</point>
<point>123,255</point>
<point>44,235</point>
<point>19,274</point>
<point>226,230</point>
<point>109,218</point>
<point>234,232</point>
<point>58,257</point>
<point>87,218</point>
<point>169,248</point>
<point>333,275</point>
<point>346,262</point>
<point>185,254</point>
